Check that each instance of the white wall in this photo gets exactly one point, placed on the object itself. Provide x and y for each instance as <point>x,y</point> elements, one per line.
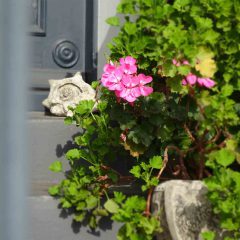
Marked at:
<point>106,9</point>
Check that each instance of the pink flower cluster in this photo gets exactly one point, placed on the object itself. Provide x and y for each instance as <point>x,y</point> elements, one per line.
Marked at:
<point>192,79</point>
<point>177,63</point>
<point>124,81</point>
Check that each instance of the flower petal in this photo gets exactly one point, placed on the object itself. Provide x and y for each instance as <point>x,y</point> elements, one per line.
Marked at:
<point>136,92</point>
<point>184,82</point>
<point>143,79</point>
<point>130,60</point>
<point>175,62</point>
<point>122,61</point>
<point>145,91</point>
<point>185,62</point>
<point>129,81</point>
<point>128,65</point>
<point>128,69</point>
<point>130,98</point>
<point>191,79</point>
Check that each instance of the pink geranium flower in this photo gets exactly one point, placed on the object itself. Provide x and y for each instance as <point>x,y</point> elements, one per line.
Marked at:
<point>175,62</point>
<point>130,91</point>
<point>190,79</point>
<point>124,81</point>
<point>128,65</point>
<point>143,80</point>
<point>206,82</point>
<point>178,63</point>
<point>114,81</point>
<point>185,62</point>
<point>109,70</point>
<point>112,76</point>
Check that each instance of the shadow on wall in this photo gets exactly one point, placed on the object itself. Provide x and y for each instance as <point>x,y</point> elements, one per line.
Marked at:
<point>61,149</point>
<point>105,224</point>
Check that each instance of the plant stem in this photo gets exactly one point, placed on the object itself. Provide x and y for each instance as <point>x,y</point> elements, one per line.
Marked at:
<point>149,197</point>
<point>104,167</point>
<point>182,165</point>
<point>188,132</point>
<point>88,161</point>
<point>106,193</point>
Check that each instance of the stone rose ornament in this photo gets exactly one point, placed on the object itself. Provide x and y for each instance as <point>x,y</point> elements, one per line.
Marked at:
<point>67,92</point>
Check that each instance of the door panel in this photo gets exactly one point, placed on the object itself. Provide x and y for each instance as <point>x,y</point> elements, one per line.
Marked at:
<point>61,38</point>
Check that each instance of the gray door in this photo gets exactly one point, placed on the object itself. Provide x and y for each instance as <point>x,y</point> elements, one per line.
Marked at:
<point>61,39</point>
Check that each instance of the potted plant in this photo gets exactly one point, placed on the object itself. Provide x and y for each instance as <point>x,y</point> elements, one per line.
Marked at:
<point>168,102</point>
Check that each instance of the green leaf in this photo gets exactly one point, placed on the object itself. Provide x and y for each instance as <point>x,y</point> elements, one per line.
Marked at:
<point>147,225</point>
<point>72,189</point>
<point>183,70</point>
<point>82,140</point>
<point>73,154</point>
<point>113,176</point>
<point>84,107</point>
<point>80,206</point>
<point>119,197</point>
<point>144,188</point>
<point>169,70</point>
<point>147,2</point>
<point>136,171</point>
<point>175,84</point>
<point>206,65</point>
<point>181,4</point>
<point>92,222</point>
<point>56,166</point>
<point>141,133</point>
<point>126,8</point>
<point>111,206</point>
<point>102,105</point>
<point>227,90</point>
<point>229,224</point>
<point>113,21</point>
<point>100,212</point>
<point>83,194</point>
<point>79,217</point>
<point>131,205</point>
<point>95,84</point>
<point>91,202</point>
<point>130,28</point>
<point>54,190</point>
<point>156,119</point>
<point>68,121</point>
<point>209,235</point>
<point>156,162</point>
<point>154,181</point>
<point>225,157</point>
<point>66,204</point>
<point>203,23</point>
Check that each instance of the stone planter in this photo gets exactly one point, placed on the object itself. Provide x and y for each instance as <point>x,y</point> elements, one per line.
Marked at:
<point>184,209</point>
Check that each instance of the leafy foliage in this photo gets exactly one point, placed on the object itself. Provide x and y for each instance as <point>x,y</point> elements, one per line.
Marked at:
<point>224,191</point>
<point>136,225</point>
<point>193,129</point>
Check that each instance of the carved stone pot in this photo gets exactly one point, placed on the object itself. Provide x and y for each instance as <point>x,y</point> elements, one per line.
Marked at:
<point>184,209</point>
